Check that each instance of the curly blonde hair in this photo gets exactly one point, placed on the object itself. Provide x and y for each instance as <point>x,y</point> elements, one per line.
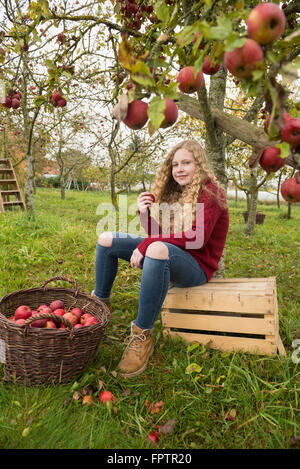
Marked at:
<point>166,189</point>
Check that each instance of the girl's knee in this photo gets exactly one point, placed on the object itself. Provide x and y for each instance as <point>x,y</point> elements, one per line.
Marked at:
<point>105,239</point>
<point>157,250</point>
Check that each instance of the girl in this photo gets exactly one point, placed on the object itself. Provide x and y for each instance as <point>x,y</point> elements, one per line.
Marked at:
<point>186,251</point>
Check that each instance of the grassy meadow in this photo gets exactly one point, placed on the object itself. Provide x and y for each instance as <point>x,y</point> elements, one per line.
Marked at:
<point>232,400</point>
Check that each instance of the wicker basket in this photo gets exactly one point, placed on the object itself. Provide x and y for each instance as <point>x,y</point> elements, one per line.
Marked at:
<point>32,355</point>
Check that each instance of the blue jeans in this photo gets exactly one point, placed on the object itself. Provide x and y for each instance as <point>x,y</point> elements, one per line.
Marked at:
<point>181,269</point>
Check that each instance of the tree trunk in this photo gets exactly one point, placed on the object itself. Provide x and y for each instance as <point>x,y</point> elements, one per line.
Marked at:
<point>62,187</point>
<point>250,227</point>
<point>215,141</point>
<point>28,183</point>
<point>278,190</point>
<point>289,212</point>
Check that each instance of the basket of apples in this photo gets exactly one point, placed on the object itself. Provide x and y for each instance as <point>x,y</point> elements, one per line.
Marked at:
<point>49,334</point>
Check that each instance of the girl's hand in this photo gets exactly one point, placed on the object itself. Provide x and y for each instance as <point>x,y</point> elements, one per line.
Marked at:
<point>136,258</point>
<point>145,200</point>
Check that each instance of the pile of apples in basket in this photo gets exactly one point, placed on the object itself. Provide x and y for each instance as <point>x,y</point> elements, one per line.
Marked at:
<point>76,316</point>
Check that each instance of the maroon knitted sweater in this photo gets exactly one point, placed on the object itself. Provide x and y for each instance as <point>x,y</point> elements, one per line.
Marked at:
<point>205,241</point>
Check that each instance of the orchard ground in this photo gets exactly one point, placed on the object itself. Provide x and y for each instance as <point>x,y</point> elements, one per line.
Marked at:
<point>233,401</point>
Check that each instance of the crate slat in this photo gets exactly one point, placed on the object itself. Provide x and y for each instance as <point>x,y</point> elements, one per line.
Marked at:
<point>219,301</point>
<point>225,343</point>
<point>264,326</point>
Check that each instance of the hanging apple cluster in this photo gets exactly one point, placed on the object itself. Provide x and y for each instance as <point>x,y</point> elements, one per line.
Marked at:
<point>12,99</point>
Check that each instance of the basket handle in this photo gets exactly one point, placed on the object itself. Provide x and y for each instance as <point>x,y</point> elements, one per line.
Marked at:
<point>54,317</point>
<point>64,279</point>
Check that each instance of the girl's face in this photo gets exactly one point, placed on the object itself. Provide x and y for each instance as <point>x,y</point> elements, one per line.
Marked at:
<point>183,167</point>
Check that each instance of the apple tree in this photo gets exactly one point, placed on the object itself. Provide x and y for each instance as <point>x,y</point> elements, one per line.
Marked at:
<point>171,56</point>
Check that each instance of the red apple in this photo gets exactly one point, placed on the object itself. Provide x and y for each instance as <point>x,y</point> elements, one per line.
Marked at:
<point>23,312</point>
<point>20,321</point>
<point>50,325</point>
<point>61,102</point>
<point>291,132</point>
<point>208,69</point>
<point>90,321</point>
<point>78,312</point>
<point>44,309</point>
<point>266,23</point>
<point>106,396</point>
<point>61,38</point>
<point>290,190</point>
<point>6,102</point>
<point>153,437</point>
<point>85,317</point>
<point>152,197</point>
<point>38,322</point>
<point>71,317</point>
<point>78,326</point>
<point>56,304</point>
<point>15,103</point>
<point>171,114</point>
<point>137,114</point>
<point>56,95</point>
<point>11,318</point>
<point>242,60</point>
<point>188,83</point>
<point>267,124</point>
<point>59,312</point>
<point>270,160</point>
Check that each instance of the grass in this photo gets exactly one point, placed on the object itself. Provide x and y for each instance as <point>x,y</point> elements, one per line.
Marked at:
<point>234,400</point>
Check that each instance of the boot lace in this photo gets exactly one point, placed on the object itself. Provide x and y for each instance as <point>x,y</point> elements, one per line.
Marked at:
<point>134,341</point>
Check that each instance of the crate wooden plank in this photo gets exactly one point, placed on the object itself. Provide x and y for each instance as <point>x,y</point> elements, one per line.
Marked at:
<point>264,326</point>
<point>226,343</point>
<point>181,298</point>
<point>244,279</point>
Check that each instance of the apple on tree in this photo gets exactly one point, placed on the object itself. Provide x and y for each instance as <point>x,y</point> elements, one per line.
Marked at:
<point>291,132</point>
<point>208,69</point>
<point>290,189</point>
<point>137,114</point>
<point>243,60</point>
<point>271,161</point>
<point>267,124</point>
<point>266,23</point>
<point>188,83</point>
<point>171,114</point>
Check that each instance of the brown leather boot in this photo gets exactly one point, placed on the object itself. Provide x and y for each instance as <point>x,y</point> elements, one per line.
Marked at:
<point>107,302</point>
<point>137,353</point>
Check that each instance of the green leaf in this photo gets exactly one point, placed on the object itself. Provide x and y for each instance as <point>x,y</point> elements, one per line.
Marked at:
<point>234,41</point>
<point>162,11</point>
<point>140,73</point>
<point>193,346</point>
<point>193,368</point>
<point>186,35</point>
<point>219,32</point>
<point>156,111</point>
<point>284,148</point>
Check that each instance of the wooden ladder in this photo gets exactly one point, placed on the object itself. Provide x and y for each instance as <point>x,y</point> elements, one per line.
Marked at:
<point>9,187</point>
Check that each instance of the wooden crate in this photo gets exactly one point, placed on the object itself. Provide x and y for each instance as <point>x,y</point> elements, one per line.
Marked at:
<point>229,314</point>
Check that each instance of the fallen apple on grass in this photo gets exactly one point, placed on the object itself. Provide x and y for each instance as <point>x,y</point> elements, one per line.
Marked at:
<point>106,396</point>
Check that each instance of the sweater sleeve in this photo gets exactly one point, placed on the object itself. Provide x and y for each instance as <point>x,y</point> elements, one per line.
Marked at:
<point>149,223</point>
<point>207,214</point>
